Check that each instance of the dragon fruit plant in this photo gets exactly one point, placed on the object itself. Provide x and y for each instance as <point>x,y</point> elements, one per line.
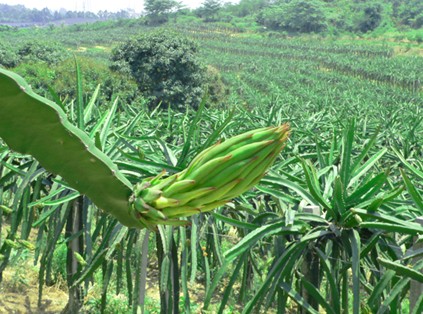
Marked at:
<point>31,124</point>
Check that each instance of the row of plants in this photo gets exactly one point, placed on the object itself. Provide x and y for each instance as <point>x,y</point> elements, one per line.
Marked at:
<point>264,81</point>
<point>363,209</point>
<point>399,71</point>
<point>371,62</point>
<point>281,43</point>
<point>353,160</point>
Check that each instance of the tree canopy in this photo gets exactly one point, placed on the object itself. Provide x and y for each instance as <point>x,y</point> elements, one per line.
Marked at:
<point>165,66</point>
<point>158,10</point>
<point>295,16</point>
<point>209,9</point>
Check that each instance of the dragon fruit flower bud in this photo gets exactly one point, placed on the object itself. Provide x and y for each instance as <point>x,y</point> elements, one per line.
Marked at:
<point>214,177</point>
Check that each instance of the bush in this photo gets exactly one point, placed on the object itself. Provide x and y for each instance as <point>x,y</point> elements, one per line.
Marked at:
<point>410,12</point>
<point>46,52</point>
<point>38,74</point>
<point>216,89</point>
<point>419,38</point>
<point>8,57</point>
<point>59,264</point>
<point>165,66</point>
<point>271,17</point>
<point>62,79</point>
<point>94,73</point>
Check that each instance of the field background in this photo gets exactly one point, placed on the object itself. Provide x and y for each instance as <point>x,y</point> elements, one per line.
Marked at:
<point>355,109</point>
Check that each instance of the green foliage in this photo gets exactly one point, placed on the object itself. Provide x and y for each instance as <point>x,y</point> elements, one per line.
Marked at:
<point>21,15</point>
<point>38,74</point>
<point>61,77</point>
<point>370,17</point>
<point>113,84</point>
<point>209,10</point>
<point>409,12</point>
<point>188,19</point>
<point>216,89</point>
<point>295,16</point>
<point>305,16</point>
<point>7,28</point>
<point>336,16</point>
<point>348,235</point>
<point>272,17</point>
<point>367,183</point>
<point>54,145</point>
<point>59,263</point>
<point>166,67</point>
<point>248,7</point>
<point>158,10</point>
<point>51,53</point>
<point>8,56</point>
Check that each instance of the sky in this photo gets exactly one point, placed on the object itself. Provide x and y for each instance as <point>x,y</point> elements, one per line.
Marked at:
<point>90,5</point>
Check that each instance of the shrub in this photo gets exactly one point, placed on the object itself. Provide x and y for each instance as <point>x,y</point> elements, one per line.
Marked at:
<point>50,53</point>
<point>62,79</point>
<point>8,57</point>
<point>59,264</point>
<point>216,89</point>
<point>38,74</point>
<point>94,73</point>
<point>165,66</point>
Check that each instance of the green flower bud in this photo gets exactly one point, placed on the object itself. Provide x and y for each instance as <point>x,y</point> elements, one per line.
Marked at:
<point>215,176</point>
<point>27,245</point>
<point>6,210</point>
<point>12,244</point>
<point>81,261</point>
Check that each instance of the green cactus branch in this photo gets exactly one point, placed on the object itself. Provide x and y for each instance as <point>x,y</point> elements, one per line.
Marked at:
<point>31,124</point>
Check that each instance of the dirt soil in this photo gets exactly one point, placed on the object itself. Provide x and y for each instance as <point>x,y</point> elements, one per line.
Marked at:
<point>19,294</point>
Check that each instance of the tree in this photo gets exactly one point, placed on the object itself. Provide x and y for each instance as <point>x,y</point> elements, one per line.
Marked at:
<point>371,17</point>
<point>248,7</point>
<point>295,16</point>
<point>272,17</point>
<point>158,10</point>
<point>165,66</point>
<point>209,10</point>
<point>409,12</point>
<point>306,16</point>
